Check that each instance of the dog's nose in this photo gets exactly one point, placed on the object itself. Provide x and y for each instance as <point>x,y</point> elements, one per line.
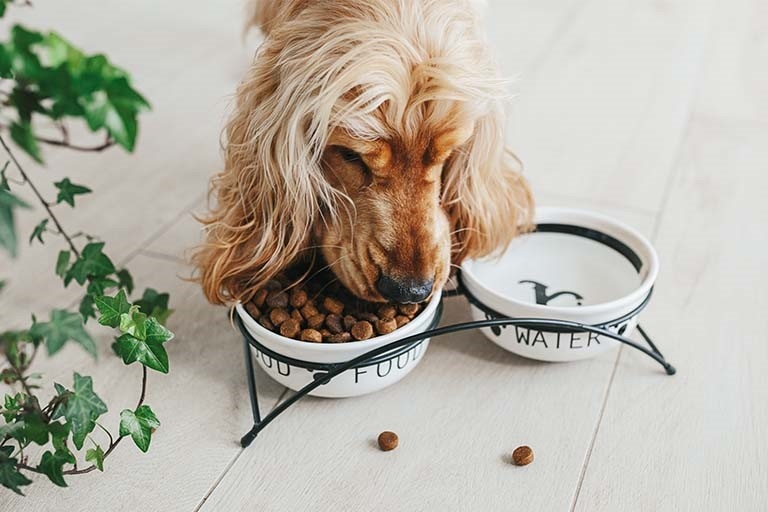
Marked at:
<point>406,290</point>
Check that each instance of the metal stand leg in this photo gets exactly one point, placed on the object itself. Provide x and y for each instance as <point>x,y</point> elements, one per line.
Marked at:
<point>671,370</point>
<point>248,438</point>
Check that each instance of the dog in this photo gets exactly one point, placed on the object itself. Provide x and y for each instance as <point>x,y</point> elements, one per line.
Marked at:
<point>369,133</point>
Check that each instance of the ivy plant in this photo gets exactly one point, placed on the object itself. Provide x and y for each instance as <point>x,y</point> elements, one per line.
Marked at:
<point>46,83</point>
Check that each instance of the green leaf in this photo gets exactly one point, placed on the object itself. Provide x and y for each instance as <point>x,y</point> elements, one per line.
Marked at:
<point>62,263</point>
<point>38,232</point>
<point>91,263</point>
<point>150,351</point>
<point>8,202</point>
<point>68,191</point>
<point>96,457</point>
<point>86,308</point>
<point>59,434</point>
<point>155,304</point>
<point>52,466</point>
<point>139,425</point>
<point>10,477</point>
<point>80,407</point>
<point>134,322</point>
<point>125,280</point>
<point>112,308</point>
<point>35,427</point>
<point>21,133</point>
<point>62,327</point>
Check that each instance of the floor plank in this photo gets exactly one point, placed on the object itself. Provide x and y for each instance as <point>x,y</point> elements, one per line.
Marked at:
<point>697,441</point>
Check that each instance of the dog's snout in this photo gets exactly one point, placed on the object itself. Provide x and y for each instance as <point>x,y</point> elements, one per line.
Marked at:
<point>406,290</point>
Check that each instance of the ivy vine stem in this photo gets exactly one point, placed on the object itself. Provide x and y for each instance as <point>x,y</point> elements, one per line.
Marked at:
<point>40,197</point>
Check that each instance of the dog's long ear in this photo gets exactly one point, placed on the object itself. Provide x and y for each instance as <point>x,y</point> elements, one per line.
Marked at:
<point>487,200</point>
<point>271,189</point>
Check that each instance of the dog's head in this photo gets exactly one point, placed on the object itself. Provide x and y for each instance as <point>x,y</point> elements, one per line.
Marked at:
<point>373,135</point>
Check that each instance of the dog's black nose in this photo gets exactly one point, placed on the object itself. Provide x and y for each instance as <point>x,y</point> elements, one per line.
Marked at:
<point>403,291</point>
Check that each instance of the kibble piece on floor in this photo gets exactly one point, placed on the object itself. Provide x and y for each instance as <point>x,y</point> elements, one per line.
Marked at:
<point>311,335</point>
<point>522,456</point>
<point>362,330</point>
<point>278,316</point>
<point>386,326</point>
<point>252,310</point>
<point>334,323</point>
<point>388,441</point>
<point>408,310</point>
<point>387,312</point>
<point>342,337</point>
<point>333,306</point>
<point>298,298</point>
<point>290,328</point>
<point>316,321</point>
<point>277,299</point>
<point>401,320</point>
<point>261,297</point>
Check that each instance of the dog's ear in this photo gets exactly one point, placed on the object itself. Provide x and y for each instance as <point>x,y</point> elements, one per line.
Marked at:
<point>270,191</point>
<point>487,199</point>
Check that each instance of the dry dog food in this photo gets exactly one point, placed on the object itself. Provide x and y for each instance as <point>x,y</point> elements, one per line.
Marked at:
<point>387,441</point>
<point>320,310</point>
<point>522,456</point>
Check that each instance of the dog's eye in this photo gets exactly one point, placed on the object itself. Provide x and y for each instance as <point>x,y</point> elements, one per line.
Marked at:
<point>350,156</point>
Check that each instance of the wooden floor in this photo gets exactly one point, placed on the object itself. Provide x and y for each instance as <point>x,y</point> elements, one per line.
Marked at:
<point>654,111</point>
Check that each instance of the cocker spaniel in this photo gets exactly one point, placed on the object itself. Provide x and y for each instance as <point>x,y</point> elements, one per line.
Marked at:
<point>371,133</point>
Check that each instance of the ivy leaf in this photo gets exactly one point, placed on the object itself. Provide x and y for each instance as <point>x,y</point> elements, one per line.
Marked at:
<point>62,263</point>
<point>134,322</point>
<point>59,434</point>
<point>38,232</point>
<point>10,477</point>
<point>96,457</point>
<point>86,308</point>
<point>80,407</point>
<point>155,304</point>
<point>91,263</point>
<point>125,280</point>
<point>21,133</point>
<point>8,202</point>
<point>68,191</point>
<point>35,427</point>
<point>52,466</point>
<point>150,351</point>
<point>112,308</point>
<point>139,425</point>
<point>63,326</point>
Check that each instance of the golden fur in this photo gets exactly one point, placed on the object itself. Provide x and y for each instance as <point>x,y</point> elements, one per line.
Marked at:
<point>371,131</point>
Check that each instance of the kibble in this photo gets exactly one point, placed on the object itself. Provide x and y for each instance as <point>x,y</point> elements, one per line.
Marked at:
<point>278,316</point>
<point>316,321</point>
<point>362,330</point>
<point>253,310</point>
<point>320,310</point>
<point>290,328</point>
<point>522,456</point>
<point>334,323</point>
<point>311,335</point>
<point>261,297</point>
<point>401,320</point>
<point>334,306</point>
<point>386,326</point>
<point>298,298</point>
<point>277,299</point>
<point>388,441</point>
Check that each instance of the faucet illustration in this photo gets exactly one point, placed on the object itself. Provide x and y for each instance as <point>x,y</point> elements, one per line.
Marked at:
<point>544,299</point>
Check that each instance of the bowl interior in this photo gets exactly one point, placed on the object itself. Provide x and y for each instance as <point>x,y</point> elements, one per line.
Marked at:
<point>574,259</point>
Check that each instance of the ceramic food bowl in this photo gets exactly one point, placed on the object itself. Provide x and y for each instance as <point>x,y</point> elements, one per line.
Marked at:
<point>577,266</point>
<point>283,365</point>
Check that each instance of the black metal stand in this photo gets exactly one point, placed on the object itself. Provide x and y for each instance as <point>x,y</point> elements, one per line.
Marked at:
<point>325,372</point>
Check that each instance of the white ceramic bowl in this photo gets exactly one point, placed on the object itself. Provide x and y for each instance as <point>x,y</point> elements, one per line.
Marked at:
<point>578,266</point>
<point>388,368</point>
